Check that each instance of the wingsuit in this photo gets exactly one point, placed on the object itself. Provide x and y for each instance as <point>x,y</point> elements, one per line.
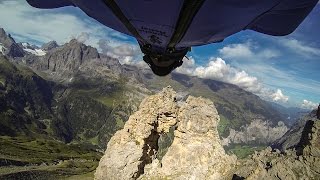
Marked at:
<point>167,29</point>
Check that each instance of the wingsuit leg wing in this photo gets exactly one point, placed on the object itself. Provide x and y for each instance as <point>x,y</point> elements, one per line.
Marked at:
<point>283,18</point>
<point>48,4</point>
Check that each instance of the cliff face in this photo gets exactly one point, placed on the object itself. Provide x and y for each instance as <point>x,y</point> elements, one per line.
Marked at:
<point>301,162</point>
<point>195,152</point>
<point>294,136</point>
<point>257,132</point>
<point>67,58</point>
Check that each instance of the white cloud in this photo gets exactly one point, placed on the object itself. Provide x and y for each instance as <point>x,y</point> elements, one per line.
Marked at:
<point>217,69</point>
<point>268,54</point>
<point>300,47</point>
<point>126,50</point>
<point>247,51</point>
<point>308,104</point>
<point>126,53</point>
<point>83,37</point>
<point>187,67</point>
<point>236,51</point>
<point>279,97</point>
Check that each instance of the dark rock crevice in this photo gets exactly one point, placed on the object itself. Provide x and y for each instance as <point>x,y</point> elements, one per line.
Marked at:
<point>150,150</point>
<point>305,137</point>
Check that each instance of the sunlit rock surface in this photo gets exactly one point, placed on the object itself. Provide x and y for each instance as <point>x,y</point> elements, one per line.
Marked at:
<point>195,153</point>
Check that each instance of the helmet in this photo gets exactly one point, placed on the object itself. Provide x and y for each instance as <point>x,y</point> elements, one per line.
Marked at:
<point>163,64</point>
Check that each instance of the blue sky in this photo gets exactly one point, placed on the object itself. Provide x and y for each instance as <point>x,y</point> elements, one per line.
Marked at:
<point>282,69</point>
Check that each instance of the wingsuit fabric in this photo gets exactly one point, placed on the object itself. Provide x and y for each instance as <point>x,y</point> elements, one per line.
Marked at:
<point>155,20</point>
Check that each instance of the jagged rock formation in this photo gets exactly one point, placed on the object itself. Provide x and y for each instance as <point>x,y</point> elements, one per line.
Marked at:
<point>257,132</point>
<point>75,59</point>
<point>302,162</point>
<point>9,46</point>
<point>67,59</point>
<point>49,46</point>
<point>195,153</point>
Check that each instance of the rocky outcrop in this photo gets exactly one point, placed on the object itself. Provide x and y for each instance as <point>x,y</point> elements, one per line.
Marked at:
<point>303,162</point>
<point>195,153</point>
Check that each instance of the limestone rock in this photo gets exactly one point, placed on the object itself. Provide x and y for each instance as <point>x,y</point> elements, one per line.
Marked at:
<point>195,153</point>
<point>131,148</point>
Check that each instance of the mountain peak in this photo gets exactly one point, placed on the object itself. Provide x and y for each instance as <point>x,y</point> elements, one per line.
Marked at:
<point>49,46</point>
<point>11,48</point>
<point>2,32</point>
<point>69,57</point>
<point>74,41</point>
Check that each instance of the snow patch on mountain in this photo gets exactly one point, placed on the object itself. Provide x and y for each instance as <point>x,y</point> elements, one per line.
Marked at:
<point>37,52</point>
<point>2,48</point>
<point>33,49</point>
<point>24,44</point>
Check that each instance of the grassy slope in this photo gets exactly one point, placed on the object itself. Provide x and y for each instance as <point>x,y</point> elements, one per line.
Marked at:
<point>21,154</point>
<point>96,109</point>
<point>243,151</point>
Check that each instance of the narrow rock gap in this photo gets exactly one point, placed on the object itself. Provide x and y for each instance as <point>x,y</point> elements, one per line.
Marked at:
<point>305,137</point>
<point>150,149</point>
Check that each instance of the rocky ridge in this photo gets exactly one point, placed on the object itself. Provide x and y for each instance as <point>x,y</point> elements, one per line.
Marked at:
<point>196,151</point>
<point>49,46</point>
<point>301,162</point>
<point>67,58</point>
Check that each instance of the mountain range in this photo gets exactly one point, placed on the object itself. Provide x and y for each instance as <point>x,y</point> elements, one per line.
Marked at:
<point>72,94</point>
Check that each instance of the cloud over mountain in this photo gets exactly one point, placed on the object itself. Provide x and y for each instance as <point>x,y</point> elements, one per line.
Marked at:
<point>247,51</point>
<point>308,104</point>
<point>218,69</point>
